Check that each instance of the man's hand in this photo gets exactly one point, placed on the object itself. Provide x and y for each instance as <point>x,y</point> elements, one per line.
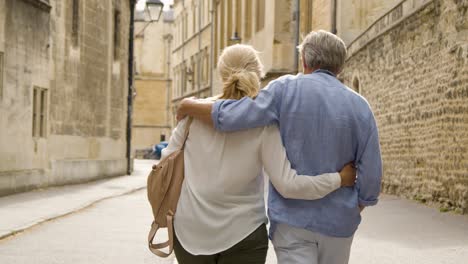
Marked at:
<point>182,109</point>
<point>348,175</point>
<point>196,108</point>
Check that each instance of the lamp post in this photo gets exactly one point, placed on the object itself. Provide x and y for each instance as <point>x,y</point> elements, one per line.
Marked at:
<point>154,8</point>
<point>130,89</point>
<point>235,39</point>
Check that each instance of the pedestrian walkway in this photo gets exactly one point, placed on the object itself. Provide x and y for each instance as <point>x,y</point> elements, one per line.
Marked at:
<point>21,211</point>
<point>114,230</point>
<point>406,232</point>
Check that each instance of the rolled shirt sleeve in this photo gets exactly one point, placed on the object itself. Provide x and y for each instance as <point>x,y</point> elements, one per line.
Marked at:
<point>233,115</point>
<point>369,169</point>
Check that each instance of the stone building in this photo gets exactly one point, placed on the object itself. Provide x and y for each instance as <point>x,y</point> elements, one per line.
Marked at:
<point>277,34</point>
<point>63,91</point>
<point>191,55</point>
<point>152,120</point>
<point>346,18</point>
<point>412,66</point>
<point>269,26</point>
<point>276,28</point>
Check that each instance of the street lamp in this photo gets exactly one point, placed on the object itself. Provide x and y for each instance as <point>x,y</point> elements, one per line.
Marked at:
<point>235,39</point>
<point>154,9</point>
<point>189,74</point>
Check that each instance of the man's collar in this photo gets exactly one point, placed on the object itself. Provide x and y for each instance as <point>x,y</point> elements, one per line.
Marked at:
<point>325,71</point>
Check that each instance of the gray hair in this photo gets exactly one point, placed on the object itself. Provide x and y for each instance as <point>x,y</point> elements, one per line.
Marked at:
<point>324,50</point>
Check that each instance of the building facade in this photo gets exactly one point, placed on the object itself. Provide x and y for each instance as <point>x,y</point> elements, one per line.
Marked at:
<point>277,27</point>
<point>152,120</point>
<point>63,91</point>
<point>191,55</point>
<point>412,66</point>
<point>269,26</point>
<point>345,18</point>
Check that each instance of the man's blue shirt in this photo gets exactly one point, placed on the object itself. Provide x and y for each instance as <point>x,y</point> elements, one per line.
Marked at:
<point>323,125</point>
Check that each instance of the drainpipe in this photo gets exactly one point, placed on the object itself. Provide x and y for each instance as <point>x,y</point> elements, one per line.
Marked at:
<point>333,18</point>
<point>297,17</point>
<point>212,58</point>
<point>130,88</point>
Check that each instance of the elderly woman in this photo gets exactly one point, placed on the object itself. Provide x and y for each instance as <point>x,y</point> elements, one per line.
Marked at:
<point>221,216</point>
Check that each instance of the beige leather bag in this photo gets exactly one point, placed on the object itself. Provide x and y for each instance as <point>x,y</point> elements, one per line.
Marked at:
<point>164,186</point>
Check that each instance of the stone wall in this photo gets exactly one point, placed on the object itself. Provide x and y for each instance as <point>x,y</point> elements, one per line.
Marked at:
<point>26,61</point>
<point>354,16</point>
<point>92,80</point>
<point>412,66</point>
<point>151,119</point>
<point>85,79</point>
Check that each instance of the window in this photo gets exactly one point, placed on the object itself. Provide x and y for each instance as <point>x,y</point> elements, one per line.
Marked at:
<point>238,28</point>
<point>116,34</point>
<point>194,18</point>
<point>185,78</point>
<point>185,26</point>
<point>206,66</point>
<point>215,23</point>
<point>193,72</point>
<point>208,11</point>
<point>75,22</point>
<point>230,22</point>
<point>39,112</point>
<point>260,15</point>
<point>203,12</point>
<point>222,18</point>
<point>248,19</point>
<point>180,32</point>
<point>1,75</point>
<point>176,36</point>
<point>176,82</point>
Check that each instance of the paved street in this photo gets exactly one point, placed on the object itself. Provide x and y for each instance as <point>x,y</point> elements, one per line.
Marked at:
<point>114,231</point>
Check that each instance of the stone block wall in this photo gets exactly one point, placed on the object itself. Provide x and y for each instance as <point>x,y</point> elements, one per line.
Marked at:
<point>90,78</point>
<point>414,73</point>
<point>68,49</point>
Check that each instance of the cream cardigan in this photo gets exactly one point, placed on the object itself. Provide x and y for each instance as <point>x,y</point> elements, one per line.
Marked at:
<point>222,198</point>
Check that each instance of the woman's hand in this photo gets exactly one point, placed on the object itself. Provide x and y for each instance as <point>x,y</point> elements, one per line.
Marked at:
<point>348,175</point>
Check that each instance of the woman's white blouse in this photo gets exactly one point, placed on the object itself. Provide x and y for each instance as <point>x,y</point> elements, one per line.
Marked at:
<point>222,201</point>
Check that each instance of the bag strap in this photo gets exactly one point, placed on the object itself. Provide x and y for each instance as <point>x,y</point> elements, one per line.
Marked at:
<point>155,248</point>
<point>187,130</point>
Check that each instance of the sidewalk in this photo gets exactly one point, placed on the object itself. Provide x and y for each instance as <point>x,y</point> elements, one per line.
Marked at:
<point>394,231</point>
<point>22,211</point>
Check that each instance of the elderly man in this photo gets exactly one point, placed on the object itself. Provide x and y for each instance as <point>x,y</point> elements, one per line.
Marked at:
<point>323,125</point>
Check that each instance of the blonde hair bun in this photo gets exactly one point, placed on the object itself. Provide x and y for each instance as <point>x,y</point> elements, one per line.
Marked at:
<point>241,70</point>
